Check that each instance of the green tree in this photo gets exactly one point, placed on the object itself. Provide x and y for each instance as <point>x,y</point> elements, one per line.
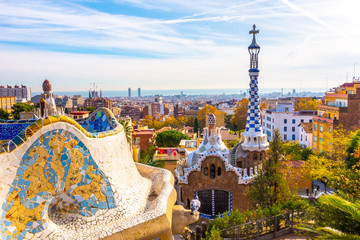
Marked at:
<point>351,158</point>
<point>4,114</point>
<point>269,186</point>
<point>196,126</point>
<point>351,210</point>
<point>170,138</point>
<point>294,151</point>
<point>20,107</point>
<point>90,109</point>
<point>147,157</point>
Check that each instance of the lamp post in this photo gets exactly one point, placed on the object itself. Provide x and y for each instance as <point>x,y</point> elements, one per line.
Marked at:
<point>325,180</point>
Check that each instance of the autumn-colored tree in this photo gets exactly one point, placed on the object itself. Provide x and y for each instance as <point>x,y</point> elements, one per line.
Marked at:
<point>263,106</point>
<point>238,120</point>
<point>148,120</point>
<point>317,167</point>
<point>170,122</point>
<point>306,103</point>
<point>207,109</point>
<point>182,121</point>
<point>335,144</point>
<point>332,163</point>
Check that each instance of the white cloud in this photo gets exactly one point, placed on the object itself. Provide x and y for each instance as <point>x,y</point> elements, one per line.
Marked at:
<point>204,48</point>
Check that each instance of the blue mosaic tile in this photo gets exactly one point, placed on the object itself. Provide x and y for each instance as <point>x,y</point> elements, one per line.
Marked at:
<point>79,174</point>
<point>98,122</point>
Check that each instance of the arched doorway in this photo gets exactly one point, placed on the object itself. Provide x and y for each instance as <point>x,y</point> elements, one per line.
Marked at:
<point>214,202</point>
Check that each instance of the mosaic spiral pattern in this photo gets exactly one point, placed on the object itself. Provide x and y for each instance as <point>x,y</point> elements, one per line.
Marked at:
<point>56,172</point>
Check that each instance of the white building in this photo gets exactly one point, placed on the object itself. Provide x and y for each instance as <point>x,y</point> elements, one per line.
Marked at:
<point>286,120</point>
<point>305,133</point>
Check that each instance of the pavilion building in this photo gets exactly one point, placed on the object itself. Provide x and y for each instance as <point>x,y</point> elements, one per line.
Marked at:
<point>218,175</point>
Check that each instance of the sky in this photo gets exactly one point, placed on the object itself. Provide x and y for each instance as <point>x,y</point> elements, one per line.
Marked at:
<point>177,44</point>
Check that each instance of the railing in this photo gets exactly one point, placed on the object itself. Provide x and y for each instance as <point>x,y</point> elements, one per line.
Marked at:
<point>262,229</point>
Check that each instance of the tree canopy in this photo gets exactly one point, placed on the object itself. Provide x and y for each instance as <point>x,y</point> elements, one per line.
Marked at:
<point>269,186</point>
<point>238,119</point>
<point>306,103</point>
<point>20,107</point>
<point>4,114</point>
<point>206,110</point>
<point>170,138</point>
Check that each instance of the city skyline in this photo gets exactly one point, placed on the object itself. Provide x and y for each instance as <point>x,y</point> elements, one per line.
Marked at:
<point>172,44</point>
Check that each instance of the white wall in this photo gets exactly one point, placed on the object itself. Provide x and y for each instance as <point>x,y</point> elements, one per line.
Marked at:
<point>288,129</point>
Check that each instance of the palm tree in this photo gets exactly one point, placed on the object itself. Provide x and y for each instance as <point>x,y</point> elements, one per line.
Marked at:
<point>127,128</point>
<point>147,158</point>
<point>351,208</point>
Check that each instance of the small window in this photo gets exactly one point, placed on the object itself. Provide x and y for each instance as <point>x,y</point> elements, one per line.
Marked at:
<point>293,137</point>
<point>293,121</point>
<point>260,156</point>
<point>315,139</point>
<point>310,121</point>
<point>302,120</point>
<point>285,137</point>
<point>315,127</point>
<point>321,140</point>
<point>285,129</point>
<point>206,171</point>
<point>321,129</point>
<point>329,129</point>
<point>255,157</point>
<point>293,129</point>
<point>285,120</point>
<point>212,171</point>
<point>219,171</point>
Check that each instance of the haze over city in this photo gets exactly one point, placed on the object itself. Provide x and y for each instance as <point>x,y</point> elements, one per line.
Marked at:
<point>172,44</point>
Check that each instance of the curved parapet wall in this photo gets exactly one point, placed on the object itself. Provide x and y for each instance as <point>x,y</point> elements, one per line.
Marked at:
<point>100,123</point>
<point>60,181</point>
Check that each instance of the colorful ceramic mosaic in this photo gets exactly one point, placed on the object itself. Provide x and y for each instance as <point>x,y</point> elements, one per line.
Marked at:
<point>10,130</point>
<point>100,123</point>
<point>97,122</point>
<point>56,172</point>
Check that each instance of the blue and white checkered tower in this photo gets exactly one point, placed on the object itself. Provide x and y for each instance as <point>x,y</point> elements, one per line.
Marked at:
<point>253,138</point>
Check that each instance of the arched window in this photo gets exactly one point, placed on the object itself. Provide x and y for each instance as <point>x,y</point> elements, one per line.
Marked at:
<point>261,156</point>
<point>212,171</point>
<point>219,171</point>
<point>255,157</point>
<point>206,171</point>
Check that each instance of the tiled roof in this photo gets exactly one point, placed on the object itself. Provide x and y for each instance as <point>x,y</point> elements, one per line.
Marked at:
<point>307,127</point>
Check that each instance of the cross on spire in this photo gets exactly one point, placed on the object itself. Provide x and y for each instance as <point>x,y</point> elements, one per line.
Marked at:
<point>253,31</point>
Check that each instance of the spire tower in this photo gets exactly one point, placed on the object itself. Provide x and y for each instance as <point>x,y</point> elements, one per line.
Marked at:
<point>254,138</point>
